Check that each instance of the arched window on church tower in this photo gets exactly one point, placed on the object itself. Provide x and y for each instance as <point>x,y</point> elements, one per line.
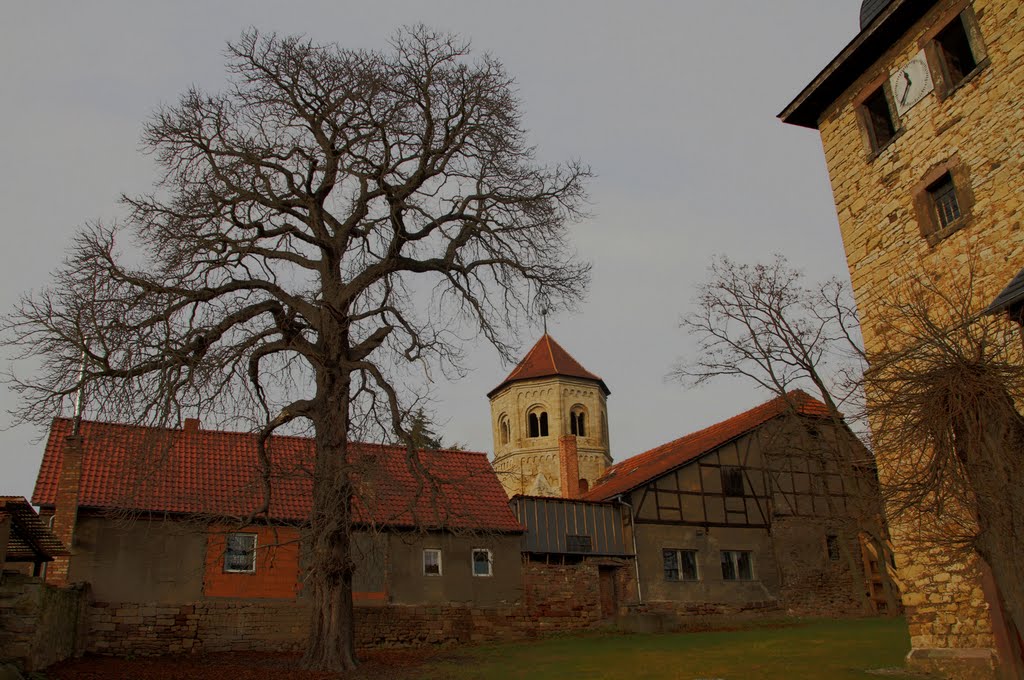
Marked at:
<point>504,429</point>
<point>537,423</point>
<point>578,420</point>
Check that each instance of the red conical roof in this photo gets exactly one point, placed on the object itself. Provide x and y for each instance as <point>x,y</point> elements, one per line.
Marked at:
<point>546,359</point>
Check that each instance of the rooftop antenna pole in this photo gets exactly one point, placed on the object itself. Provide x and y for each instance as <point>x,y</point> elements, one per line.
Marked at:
<point>80,396</point>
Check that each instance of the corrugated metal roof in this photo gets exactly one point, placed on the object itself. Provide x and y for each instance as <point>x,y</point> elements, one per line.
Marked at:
<point>570,526</point>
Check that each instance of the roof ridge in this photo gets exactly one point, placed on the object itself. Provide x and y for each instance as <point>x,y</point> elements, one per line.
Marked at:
<point>244,433</point>
<point>717,435</point>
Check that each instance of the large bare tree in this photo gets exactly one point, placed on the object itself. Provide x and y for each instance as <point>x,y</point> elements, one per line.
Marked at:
<point>332,218</point>
<point>946,386</point>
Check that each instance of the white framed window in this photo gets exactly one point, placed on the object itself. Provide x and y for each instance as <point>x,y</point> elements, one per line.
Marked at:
<point>240,553</point>
<point>680,565</point>
<point>483,562</point>
<point>737,565</point>
<point>431,562</point>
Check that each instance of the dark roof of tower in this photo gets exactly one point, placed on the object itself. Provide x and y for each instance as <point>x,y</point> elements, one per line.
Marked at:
<point>548,359</point>
<point>889,22</point>
<point>869,9</point>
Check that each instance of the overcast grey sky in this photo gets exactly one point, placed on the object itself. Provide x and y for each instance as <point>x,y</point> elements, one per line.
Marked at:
<point>672,103</point>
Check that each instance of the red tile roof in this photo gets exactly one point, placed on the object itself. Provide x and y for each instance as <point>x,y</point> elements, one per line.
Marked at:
<point>643,467</point>
<point>548,358</point>
<point>217,473</point>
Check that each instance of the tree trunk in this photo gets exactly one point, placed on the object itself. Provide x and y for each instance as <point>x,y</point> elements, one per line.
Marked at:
<point>332,637</point>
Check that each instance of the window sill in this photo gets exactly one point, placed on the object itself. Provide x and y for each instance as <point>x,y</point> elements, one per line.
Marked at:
<point>872,156</point>
<point>937,237</point>
<point>982,65</point>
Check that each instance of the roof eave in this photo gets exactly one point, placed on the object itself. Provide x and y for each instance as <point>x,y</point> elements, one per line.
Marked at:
<point>858,55</point>
<point>506,383</point>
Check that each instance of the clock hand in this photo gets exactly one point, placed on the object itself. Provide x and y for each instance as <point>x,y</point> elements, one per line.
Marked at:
<point>906,90</point>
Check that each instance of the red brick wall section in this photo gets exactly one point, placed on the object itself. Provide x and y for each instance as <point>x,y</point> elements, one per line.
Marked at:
<point>66,511</point>
<point>277,565</point>
<point>569,466</point>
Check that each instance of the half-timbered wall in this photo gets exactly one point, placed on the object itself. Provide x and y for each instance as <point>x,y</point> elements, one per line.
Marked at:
<point>778,493</point>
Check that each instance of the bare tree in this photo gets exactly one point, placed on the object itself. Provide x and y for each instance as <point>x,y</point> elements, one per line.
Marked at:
<point>761,323</point>
<point>945,385</point>
<point>325,227</point>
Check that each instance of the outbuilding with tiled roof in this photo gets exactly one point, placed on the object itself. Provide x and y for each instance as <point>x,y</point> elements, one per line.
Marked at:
<point>170,515</point>
<point>768,506</point>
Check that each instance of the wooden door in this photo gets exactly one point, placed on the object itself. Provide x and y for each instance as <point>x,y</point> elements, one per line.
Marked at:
<point>609,596</point>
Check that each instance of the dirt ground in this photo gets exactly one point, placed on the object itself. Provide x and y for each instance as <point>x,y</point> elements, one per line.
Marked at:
<point>376,665</point>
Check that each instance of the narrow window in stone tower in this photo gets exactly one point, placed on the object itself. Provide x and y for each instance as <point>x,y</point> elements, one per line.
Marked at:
<point>957,56</point>
<point>577,421</point>
<point>943,197</point>
<point>506,431</point>
<point>878,119</point>
<point>537,424</point>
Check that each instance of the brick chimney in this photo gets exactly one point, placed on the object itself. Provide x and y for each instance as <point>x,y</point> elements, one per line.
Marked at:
<point>569,466</point>
<point>66,510</point>
<point>191,425</point>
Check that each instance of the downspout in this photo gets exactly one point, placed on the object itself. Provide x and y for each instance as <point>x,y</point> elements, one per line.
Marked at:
<point>636,556</point>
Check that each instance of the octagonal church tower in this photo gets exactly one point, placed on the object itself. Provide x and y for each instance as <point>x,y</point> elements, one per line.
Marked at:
<point>547,399</point>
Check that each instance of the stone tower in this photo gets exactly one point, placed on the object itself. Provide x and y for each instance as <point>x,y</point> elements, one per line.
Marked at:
<point>544,404</point>
<point>921,126</point>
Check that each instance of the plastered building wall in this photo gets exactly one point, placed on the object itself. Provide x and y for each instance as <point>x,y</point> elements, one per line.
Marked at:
<point>529,465</point>
<point>977,132</point>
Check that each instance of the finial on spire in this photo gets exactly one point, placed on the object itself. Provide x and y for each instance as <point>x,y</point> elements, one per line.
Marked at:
<point>544,316</point>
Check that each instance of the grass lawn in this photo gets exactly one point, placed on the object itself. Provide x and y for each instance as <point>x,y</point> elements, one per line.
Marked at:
<point>793,650</point>
<point>835,650</point>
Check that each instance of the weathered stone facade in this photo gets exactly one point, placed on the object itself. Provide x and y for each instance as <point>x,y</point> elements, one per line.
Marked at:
<point>530,465</point>
<point>974,131</point>
<point>555,598</point>
<point>40,624</point>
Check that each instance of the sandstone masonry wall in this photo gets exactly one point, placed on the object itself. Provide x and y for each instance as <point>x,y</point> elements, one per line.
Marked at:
<point>556,598</point>
<point>40,624</point>
<point>978,129</point>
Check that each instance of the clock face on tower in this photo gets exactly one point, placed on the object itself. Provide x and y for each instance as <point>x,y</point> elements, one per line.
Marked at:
<point>911,83</point>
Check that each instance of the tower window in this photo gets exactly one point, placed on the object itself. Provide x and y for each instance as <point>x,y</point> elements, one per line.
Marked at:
<point>878,119</point>
<point>955,49</point>
<point>537,423</point>
<point>578,421</point>
<point>944,202</point>
<point>504,429</point>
